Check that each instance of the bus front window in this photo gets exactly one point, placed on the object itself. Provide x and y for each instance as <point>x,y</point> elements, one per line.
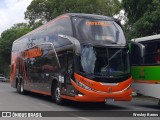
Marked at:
<point>98,31</point>
<point>102,61</point>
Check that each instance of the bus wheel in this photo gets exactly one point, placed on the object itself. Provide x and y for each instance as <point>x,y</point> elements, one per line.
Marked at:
<point>22,91</point>
<point>56,95</point>
<point>18,86</point>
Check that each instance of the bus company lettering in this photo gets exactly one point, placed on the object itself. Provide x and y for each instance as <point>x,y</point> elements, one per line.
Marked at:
<point>97,23</point>
<point>36,52</point>
<point>141,73</point>
<point>87,82</point>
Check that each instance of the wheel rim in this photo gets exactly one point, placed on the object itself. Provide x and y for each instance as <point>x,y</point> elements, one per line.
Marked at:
<point>57,94</point>
<point>21,87</point>
<point>18,86</point>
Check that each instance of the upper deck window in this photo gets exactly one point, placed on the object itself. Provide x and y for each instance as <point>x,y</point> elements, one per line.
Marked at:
<point>60,26</point>
<point>97,31</point>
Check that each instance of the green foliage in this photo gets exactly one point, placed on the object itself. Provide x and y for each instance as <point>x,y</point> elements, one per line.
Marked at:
<point>6,40</point>
<point>41,11</point>
<point>143,17</point>
<point>46,10</point>
<point>38,10</point>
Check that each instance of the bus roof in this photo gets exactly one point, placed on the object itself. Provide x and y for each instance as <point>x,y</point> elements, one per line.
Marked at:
<point>147,38</point>
<point>91,16</point>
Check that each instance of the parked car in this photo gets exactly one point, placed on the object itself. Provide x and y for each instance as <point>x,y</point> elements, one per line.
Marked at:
<point>2,78</point>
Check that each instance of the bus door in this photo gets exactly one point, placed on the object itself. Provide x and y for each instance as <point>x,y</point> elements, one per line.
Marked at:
<point>68,75</point>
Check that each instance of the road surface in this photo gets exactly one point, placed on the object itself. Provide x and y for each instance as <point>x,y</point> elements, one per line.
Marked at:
<point>10,100</point>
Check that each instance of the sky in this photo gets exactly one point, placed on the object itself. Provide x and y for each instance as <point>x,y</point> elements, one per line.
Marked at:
<point>12,12</point>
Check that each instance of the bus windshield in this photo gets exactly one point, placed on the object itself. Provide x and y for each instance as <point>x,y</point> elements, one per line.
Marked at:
<point>98,31</point>
<point>102,61</point>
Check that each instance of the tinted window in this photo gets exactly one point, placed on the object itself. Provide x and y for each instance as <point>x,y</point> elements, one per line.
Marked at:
<point>94,30</point>
<point>135,54</point>
<point>152,52</point>
<point>46,63</point>
<point>63,61</point>
<point>62,26</point>
<point>104,61</point>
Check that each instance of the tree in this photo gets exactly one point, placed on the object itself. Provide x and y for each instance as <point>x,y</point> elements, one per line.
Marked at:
<point>38,10</point>
<point>6,40</point>
<point>46,10</point>
<point>143,17</point>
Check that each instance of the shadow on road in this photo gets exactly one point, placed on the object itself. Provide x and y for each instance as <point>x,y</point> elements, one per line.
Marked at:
<point>94,106</point>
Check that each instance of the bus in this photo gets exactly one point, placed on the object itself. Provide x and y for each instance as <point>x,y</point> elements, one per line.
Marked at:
<point>145,59</point>
<point>76,56</point>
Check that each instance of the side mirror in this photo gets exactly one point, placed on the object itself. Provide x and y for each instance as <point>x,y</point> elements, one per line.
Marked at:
<point>74,41</point>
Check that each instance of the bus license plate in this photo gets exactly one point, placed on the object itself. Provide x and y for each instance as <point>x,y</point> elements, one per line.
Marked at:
<point>109,100</point>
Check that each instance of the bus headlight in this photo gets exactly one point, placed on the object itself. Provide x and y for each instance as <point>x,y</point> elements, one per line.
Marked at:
<point>82,85</point>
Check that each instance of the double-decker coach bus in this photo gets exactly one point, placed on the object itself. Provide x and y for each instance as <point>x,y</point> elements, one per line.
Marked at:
<point>79,57</point>
<point>145,58</point>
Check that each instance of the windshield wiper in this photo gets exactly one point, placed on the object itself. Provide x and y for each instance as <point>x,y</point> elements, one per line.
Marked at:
<point>114,54</point>
<point>112,57</point>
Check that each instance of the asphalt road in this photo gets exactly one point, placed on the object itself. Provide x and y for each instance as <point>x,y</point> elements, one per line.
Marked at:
<point>10,100</point>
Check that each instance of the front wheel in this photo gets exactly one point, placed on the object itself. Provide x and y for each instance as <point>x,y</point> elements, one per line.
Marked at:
<point>56,95</point>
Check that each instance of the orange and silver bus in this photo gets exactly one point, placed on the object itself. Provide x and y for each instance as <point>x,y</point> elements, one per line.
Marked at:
<point>78,57</point>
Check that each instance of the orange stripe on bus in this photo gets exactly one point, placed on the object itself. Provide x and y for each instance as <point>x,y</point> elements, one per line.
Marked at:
<point>147,81</point>
<point>68,97</point>
<point>40,92</point>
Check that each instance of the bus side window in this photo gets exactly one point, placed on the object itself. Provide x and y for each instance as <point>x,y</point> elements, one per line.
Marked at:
<point>157,57</point>
<point>135,55</point>
<point>61,26</point>
<point>152,53</point>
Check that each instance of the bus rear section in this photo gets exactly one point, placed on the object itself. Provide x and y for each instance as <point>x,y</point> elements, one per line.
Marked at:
<point>145,58</point>
<point>85,60</point>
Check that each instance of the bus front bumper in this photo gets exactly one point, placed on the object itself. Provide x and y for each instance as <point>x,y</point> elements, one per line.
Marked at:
<point>97,96</point>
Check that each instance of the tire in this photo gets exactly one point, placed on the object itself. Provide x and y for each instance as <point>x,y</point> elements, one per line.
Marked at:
<point>20,87</point>
<point>139,94</point>
<point>56,95</point>
<point>22,91</point>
